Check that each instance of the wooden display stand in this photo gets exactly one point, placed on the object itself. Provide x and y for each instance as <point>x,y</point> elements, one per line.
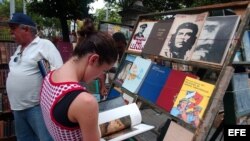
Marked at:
<point>224,72</point>
<point>7,48</point>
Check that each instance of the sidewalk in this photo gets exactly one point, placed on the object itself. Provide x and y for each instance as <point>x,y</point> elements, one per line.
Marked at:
<point>152,117</point>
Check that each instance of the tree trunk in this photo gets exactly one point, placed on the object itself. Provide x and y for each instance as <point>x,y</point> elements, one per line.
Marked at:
<point>65,29</point>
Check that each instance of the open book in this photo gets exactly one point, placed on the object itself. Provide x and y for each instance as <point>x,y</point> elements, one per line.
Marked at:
<point>121,123</point>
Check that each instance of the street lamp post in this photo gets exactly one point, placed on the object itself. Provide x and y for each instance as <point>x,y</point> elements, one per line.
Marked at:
<point>12,7</point>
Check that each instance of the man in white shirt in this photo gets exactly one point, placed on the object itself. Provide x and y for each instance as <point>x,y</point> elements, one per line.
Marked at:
<point>24,80</point>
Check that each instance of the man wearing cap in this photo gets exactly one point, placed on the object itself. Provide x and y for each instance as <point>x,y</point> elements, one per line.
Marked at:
<point>24,78</point>
<point>139,34</point>
<point>182,41</point>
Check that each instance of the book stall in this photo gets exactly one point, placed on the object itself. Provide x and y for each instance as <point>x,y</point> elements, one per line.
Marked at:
<point>180,62</point>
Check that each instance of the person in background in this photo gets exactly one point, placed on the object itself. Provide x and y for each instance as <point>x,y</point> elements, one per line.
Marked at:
<point>121,43</point>
<point>72,36</point>
<point>70,112</point>
<point>24,79</point>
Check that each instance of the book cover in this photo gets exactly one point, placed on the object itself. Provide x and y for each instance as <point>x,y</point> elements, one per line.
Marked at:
<point>182,35</point>
<point>157,37</point>
<point>241,94</point>
<point>65,49</point>
<point>171,88</point>
<point>124,123</point>
<point>113,93</point>
<point>136,75</point>
<point>123,69</point>
<point>172,131</point>
<point>140,36</point>
<point>192,100</point>
<point>154,82</point>
<point>44,67</point>
<point>215,39</point>
<point>246,45</point>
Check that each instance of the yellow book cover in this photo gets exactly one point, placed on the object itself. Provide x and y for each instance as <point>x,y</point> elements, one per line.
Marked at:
<point>192,100</point>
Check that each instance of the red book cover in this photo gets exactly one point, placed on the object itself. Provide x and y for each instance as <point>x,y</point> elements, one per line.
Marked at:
<point>171,89</point>
<point>65,49</point>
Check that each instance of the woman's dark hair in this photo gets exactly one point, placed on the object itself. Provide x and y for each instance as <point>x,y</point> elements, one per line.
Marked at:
<point>100,43</point>
<point>93,41</point>
<point>87,28</point>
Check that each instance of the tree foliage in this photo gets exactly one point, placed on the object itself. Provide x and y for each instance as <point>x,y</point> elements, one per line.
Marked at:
<point>164,5</point>
<point>62,9</point>
<point>5,8</point>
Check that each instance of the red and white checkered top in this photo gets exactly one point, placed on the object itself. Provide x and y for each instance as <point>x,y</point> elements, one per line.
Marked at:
<point>51,93</point>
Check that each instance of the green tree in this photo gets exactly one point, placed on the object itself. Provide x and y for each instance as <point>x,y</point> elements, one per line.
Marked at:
<point>62,9</point>
<point>164,5</point>
<point>4,16</point>
<point>5,8</point>
<point>113,15</point>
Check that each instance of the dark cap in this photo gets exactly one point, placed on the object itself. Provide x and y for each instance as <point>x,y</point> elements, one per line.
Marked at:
<point>143,25</point>
<point>20,18</point>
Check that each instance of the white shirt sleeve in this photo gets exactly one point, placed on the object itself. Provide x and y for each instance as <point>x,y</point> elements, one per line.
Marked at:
<point>51,54</point>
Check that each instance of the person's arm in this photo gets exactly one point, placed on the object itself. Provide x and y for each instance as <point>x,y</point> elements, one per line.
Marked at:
<point>52,55</point>
<point>103,89</point>
<point>84,110</point>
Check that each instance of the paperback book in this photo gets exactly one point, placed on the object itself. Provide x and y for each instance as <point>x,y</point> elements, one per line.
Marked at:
<point>215,39</point>
<point>192,100</point>
<point>157,37</point>
<point>140,36</point>
<point>154,82</point>
<point>182,35</point>
<point>137,74</point>
<point>171,89</point>
<point>44,67</point>
<point>125,122</point>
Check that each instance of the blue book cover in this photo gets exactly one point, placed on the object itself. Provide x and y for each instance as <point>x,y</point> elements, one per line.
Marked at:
<point>113,93</point>
<point>154,82</point>
<point>137,73</point>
